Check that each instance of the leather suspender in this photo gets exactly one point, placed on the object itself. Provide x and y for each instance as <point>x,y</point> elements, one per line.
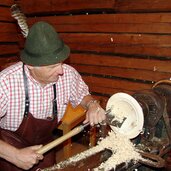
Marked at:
<point>27,102</point>
<point>55,111</point>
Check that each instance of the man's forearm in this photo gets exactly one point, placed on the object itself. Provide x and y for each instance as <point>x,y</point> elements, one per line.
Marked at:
<point>7,151</point>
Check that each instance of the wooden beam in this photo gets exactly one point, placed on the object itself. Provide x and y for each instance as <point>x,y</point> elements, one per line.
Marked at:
<point>116,83</point>
<point>8,28</point>
<point>134,74</point>
<point>107,91</point>
<point>151,65</point>
<point>9,37</point>
<point>60,6</point>
<point>6,2</point>
<point>7,61</point>
<point>9,49</point>
<point>110,23</point>
<point>5,14</point>
<point>53,6</point>
<point>130,44</point>
<point>142,5</point>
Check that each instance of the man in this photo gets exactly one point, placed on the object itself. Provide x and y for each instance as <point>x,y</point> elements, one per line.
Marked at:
<point>34,94</point>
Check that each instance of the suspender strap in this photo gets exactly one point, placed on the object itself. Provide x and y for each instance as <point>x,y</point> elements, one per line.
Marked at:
<point>55,111</point>
<point>27,102</point>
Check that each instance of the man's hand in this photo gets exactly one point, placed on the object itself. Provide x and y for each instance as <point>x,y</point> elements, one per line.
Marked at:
<point>26,158</point>
<point>95,113</point>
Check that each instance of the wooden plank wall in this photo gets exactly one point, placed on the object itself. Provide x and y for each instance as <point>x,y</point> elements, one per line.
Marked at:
<point>117,45</point>
<point>8,35</point>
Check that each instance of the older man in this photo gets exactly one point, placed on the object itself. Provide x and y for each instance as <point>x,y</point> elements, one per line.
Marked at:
<point>34,94</point>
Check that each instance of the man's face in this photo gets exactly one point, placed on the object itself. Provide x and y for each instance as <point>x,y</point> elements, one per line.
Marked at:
<point>46,74</point>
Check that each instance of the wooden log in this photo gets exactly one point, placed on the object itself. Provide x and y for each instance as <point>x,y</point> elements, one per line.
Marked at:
<point>130,18</point>
<point>107,91</point>
<point>5,14</point>
<point>120,23</point>
<point>7,61</point>
<point>120,39</point>
<point>131,62</point>
<point>116,83</point>
<point>6,2</point>
<point>9,49</point>
<point>130,44</point>
<point>60,6</point>
<point>9,37</point>
<point>8,28</point>
<point>142,5</point>
<point>39,6</point>
<point>136,74</point>
<point>10,59</point>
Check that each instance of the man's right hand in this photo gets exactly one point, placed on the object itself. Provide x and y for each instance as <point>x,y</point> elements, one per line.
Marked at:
<point>26,158</point>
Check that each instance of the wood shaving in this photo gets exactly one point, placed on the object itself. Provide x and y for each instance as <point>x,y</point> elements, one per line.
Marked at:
<point>120,115</point>
<point>123,151</point>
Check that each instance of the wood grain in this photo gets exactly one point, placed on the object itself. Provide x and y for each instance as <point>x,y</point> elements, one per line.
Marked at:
<point>131,62</point>
<point>60,6</point>
<point>9,49</point>
<point>8,28</point>
<point>132,44</point>
<point>142,5</point>
<point>5,14</point>
<point>109,23</point>
<point>6,2</point>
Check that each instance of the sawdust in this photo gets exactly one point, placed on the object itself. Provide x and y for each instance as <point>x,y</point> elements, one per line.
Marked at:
<point>118,114</point>
<point>123,151</point>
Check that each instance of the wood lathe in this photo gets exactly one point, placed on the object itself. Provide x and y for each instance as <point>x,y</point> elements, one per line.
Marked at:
<point>153,139</point>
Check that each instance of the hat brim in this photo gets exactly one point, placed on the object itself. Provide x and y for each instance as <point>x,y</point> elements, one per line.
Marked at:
<point>54,57</point>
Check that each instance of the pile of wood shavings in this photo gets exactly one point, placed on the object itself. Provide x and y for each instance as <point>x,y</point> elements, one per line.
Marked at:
<point>76,158</point>
<point>123,151</point>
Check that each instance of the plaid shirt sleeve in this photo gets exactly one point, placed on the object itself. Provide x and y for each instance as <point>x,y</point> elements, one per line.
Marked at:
<point>78,88</point>
<point>3,99</point>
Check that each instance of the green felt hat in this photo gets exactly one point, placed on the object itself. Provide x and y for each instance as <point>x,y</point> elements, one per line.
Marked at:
<point>43,46</point>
